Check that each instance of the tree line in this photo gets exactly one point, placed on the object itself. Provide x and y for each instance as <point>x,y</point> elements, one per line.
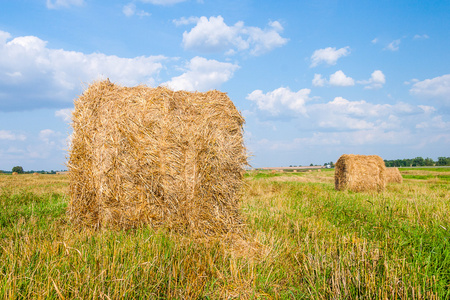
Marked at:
<point>418,162</point>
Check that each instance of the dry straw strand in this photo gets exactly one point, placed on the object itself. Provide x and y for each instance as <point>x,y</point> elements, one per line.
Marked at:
<point>393,175</point>
<point>360,173</point>
<point>154,156</point>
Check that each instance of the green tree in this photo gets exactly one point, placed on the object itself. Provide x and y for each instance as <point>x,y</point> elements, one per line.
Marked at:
<point>418,161</point>
<point>18,169</point>
<point>443,161</point>
<point>428,162</point>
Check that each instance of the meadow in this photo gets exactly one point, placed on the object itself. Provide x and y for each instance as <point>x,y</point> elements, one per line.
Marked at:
<point>302,240</point>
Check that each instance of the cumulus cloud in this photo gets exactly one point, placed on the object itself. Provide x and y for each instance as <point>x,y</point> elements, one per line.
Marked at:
<point>340,79</point>
<point>214,35</point>
<point>281,100</point>
<point>34,76</point>
<point>56,4</point>
<point>436,88</point>
<point>65,114</point>
<point>436,122</point>
<point>328,55</point>
<point>362,108</point>
<point>393,46</point>
<point>427,109</point>
<point>186,21</point>
<point>130,10</point>
<point>421,36</point>
<point>11,136</point>
<point>347,125</point>
<point>376,81</point>
<point>202,75</point>
<point>318,80</point>
<point>414,80</point>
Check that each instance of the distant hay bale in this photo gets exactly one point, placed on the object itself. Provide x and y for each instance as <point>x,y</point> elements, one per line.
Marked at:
<point>393,175</point>
<point>154,156</point>
<point>35,173</point>
<point>273,171</point>
<point>15,173</point>
<point>319,170</point>
<point>360,173</point>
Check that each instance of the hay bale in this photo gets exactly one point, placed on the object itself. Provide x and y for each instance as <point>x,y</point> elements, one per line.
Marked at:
<point>35,173</point>
<point>360,173</point>
<point>15,173</point>
<point>153,156</point>
<point>393,175</point>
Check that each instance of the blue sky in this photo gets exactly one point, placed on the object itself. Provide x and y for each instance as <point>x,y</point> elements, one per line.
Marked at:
<point>313,79</point>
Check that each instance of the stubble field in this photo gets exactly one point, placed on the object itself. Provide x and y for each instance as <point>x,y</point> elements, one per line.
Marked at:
<point>303,240</point>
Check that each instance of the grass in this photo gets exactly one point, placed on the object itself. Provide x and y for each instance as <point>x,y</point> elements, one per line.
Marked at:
<point>303,240</point>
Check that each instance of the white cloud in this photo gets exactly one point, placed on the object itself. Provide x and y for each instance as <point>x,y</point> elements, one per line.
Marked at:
<point>435,88</point>
<point>214,35</point>
<point>33,75</point>
<point>46,134</point>
<point>360,109</point>
<point>202,75</point>
<point>423,36</point>
<point>427,109</point>
<point>393,46</point>
<point>65,114</point>
<point>318,80</point>
<point>340,79</point>
<point>8,135</point>
<point>4,36</point>
<point>435,122</point>
<point>328,55</point>
<point>186,21</point>
<point>414,80</point>
<point>55,4</point>
<point>53,140</point>
<point>374,41</point>
<point>130,10</point>
<point>376,81</point>
<point>340,126</point>
<point>281,100</point>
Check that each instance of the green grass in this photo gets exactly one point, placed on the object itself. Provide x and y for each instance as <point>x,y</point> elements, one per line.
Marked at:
<point>303,240</point>
<point>425,177</point>
<point>429,169</point>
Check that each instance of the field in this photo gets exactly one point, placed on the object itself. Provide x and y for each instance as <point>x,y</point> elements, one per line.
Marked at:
<point>303,240</point>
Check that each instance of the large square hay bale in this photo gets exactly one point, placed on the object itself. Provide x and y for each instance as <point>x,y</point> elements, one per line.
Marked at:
<point>360,173</point>
<point>393,175</point>
<point>154,156</point>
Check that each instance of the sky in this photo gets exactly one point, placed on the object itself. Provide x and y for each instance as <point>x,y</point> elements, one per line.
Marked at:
<point>313,79</point>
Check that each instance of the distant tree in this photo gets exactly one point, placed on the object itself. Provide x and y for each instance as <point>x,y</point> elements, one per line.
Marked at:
<point>330,163</point>
<point>311,165</point>
<point>17,169</point>
<point>428,162</point>
<point>418,161</point>
<point>443,161</point>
